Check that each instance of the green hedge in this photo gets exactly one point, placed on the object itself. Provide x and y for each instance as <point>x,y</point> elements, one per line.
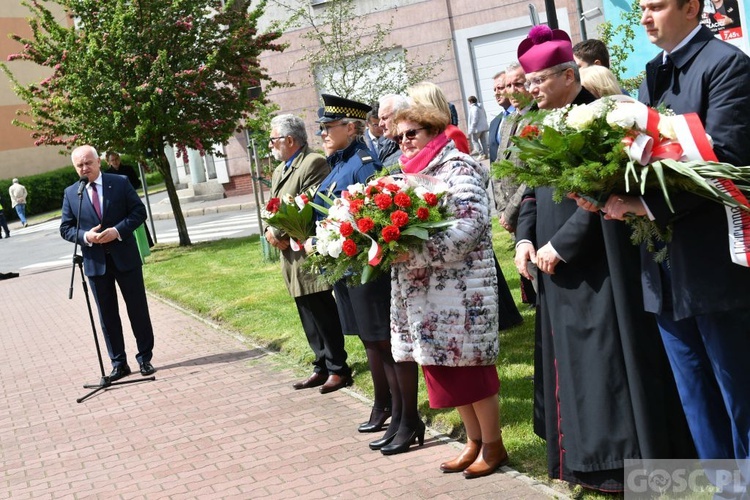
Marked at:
<point>46,190</point>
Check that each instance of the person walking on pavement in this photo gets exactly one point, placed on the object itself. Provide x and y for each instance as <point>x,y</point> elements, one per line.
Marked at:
<point>301,170</point>
<point>478,128</point>
<point>109,215</point>
<point>18,196</point>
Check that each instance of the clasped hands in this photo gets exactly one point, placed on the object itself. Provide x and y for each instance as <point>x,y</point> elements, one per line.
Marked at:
<point>281,244</point>
<point>95,235</point>
<point>545,259</point>
<point>617,207</point>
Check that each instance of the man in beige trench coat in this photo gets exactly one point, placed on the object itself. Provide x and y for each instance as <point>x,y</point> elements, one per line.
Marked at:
<point>299,171</point>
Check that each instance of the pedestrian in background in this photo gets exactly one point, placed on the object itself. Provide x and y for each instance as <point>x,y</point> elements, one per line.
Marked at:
<point>478,128</point>
<point>18,196</point>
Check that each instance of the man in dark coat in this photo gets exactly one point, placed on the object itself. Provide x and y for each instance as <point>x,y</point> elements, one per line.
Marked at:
<point>117,167</point>
<point>700,296</point>
<point>603,389</point>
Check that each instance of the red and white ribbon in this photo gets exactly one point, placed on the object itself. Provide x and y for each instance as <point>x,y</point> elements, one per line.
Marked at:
<point>692,144</point>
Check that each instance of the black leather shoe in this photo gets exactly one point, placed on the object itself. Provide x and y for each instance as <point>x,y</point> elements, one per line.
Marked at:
<point>378,416</point>
<point>384,441</point>
<point>336,382</point>
<point>313,380</point>
<point>147,369</point>
<point>118,372</point>
<point>396,447</point>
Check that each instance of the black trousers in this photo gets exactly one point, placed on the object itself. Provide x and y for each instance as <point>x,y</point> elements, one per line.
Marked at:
<point>320,320</point>
<point>134,294</point>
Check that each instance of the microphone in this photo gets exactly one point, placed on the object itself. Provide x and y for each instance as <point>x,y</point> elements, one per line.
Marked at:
<point>82,184</point>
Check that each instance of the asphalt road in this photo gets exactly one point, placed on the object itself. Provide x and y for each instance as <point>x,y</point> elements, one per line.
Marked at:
<point>40,247</point>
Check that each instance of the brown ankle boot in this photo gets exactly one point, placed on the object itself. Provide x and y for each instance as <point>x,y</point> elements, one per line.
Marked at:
<point>492,457</point>
<point>465,458</point>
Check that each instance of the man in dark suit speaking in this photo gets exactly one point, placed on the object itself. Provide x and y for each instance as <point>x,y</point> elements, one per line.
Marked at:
<point>111,211</point>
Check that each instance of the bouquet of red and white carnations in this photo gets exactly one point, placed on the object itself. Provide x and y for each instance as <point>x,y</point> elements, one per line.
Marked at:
<point>373,224</point>
<point>618,145</point>
<point>293,215</point>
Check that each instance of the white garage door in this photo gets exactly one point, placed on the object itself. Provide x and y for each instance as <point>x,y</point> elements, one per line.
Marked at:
<point>490,54</point>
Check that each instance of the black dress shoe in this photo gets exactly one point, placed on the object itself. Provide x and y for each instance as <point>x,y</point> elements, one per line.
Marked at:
<point>379,443</point>
<point>378,416</point>
<point>403,445</point>
<point>118,372</point>
<point>147,369</point>
<point>313,380</point>
<point>336,382</point>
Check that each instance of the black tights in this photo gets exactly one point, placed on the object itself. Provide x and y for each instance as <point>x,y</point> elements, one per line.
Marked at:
<point>380,361</point>
<point>394,383</point>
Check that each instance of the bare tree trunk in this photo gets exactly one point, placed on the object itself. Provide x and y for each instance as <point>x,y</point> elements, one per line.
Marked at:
<point>164,168</point>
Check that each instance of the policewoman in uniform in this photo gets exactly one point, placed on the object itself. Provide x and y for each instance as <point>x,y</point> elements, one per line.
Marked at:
<point>364,310</point>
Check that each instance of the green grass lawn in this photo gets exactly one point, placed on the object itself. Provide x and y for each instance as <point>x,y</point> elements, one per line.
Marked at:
<point>228,282</point>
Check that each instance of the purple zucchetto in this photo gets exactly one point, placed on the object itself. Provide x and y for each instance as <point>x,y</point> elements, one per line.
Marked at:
<point>544,48</point>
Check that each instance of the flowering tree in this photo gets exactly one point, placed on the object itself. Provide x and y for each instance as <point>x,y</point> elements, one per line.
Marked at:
<point>350,57</point>
<point>137,75</point>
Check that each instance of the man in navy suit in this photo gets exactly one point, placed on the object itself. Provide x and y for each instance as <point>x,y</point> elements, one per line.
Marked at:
<point>506,108</point>
<point>701,298</point>
<point>110,212</point>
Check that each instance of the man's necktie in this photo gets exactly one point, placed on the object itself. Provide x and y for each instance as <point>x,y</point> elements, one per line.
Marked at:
<point>95,201</point>
<point>663,80</point>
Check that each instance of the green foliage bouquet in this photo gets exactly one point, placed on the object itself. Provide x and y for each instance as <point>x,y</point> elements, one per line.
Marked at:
<point>371,225</point>
<point>618,145</point>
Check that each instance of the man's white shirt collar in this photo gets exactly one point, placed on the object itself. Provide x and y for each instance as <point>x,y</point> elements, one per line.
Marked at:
<point>684,42</point>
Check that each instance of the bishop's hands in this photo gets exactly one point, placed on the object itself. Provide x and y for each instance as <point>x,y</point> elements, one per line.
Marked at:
<point>545,259</point>
<point>525,252</point>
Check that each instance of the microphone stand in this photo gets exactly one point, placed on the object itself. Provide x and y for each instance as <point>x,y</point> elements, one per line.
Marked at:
<point>104,382</point>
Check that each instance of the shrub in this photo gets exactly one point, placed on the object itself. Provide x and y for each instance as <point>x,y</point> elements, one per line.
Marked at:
<point>45,191</point>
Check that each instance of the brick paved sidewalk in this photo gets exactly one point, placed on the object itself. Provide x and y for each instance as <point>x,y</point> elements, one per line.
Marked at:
<point>220,421</point>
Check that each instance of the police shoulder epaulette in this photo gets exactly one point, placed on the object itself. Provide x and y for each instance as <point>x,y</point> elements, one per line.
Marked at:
<point>365,155</point>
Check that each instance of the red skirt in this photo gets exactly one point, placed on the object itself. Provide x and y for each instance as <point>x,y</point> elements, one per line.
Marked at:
<point>451,386</point>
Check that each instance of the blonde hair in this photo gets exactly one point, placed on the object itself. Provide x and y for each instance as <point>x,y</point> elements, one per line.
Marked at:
<point>600,81</point>
<point>429,94</point>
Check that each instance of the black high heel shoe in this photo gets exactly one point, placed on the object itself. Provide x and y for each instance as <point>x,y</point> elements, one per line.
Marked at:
<point>402,446</point>
<point>378,416</point>
<point>379,443</point>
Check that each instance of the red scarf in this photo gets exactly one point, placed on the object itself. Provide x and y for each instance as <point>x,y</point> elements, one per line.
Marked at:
<point>425,155</point>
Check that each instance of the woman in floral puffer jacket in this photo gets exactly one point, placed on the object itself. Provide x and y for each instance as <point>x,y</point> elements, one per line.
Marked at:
<point>444,297</point>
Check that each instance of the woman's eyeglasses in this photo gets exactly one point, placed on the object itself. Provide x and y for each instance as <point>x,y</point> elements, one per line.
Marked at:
<point>409,134</point>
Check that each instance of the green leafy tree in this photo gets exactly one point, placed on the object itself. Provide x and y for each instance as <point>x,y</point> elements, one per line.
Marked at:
<point>137,75</point>
<point>619,41</point>
<point>257,126</point>
<point>350,57</point>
